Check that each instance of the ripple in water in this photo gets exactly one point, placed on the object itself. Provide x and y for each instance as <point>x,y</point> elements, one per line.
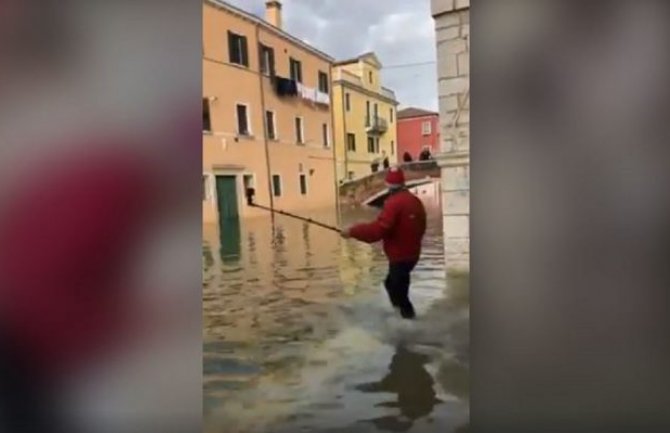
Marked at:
<point>299,334</point>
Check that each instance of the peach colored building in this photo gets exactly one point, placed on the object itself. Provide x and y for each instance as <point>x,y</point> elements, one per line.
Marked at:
<point>267,119</point>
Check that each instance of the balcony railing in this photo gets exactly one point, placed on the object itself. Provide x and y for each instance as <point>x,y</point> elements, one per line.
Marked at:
<point>376,124</point>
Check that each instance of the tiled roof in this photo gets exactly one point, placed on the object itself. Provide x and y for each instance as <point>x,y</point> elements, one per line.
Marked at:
<point>410,112</point>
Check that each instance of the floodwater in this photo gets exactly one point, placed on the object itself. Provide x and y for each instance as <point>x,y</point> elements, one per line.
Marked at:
<point>300,337</point>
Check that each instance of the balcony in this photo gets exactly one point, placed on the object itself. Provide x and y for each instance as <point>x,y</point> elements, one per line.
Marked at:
<point>376,125</point>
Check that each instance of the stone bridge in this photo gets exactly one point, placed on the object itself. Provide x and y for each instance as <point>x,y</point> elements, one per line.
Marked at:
<point>371,189</point>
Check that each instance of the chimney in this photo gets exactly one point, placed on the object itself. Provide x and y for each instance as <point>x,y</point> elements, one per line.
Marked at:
<point>273,13</point>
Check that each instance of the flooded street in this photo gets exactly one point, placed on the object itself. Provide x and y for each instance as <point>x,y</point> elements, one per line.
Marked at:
<point>300,336</point>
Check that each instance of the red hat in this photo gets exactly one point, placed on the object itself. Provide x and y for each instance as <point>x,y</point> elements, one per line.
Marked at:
<point>395,177</point>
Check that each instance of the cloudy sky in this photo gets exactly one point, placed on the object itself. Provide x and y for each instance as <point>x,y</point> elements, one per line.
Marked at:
<point>400,32</point>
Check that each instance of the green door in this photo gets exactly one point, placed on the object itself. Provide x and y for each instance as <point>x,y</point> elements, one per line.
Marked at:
<point>229,222</point>
<point>226,197</point>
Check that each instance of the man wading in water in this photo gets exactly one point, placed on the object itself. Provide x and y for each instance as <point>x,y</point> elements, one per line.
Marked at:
<point>401,226</point>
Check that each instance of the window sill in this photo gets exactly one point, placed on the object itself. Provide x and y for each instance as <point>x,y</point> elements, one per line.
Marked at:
<point>239,65</point>
<point>245,136</point>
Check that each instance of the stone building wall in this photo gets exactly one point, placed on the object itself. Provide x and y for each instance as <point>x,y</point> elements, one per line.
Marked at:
<point>452,28</point>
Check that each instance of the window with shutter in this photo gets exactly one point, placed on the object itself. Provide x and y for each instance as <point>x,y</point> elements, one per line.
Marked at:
<point>426,128</point>
<point>326,140</point>
<point>299,133</point>
<point>323,82</point>
<point>295,69</point>
<point>267,59</point>
<point>276,185</point>
<point>206,118</point>
<point>303,184</point>
<point>243,120</point>
<point>351,142</point>
<point>270,122</point>
<point>237,49</point>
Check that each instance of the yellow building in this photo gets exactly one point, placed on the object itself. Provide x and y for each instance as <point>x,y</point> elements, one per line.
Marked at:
<point>267,119</point>
<point>364,113</point>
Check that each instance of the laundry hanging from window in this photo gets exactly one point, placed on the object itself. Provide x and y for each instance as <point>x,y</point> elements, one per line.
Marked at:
<point>285,86</point>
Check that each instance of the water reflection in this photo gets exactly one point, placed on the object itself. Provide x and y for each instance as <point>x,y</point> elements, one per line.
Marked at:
<point>230,239</point>
<point>295,318</point>
<point>413,385</point>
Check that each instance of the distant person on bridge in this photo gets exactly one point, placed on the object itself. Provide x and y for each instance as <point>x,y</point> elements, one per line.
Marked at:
<point>401,226</point>
<point>385,162</point>
<point>406,157</point>
<point>425,154</point>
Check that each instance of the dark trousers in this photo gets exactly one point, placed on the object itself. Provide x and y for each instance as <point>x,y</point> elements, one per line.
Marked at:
<point>397,286</point>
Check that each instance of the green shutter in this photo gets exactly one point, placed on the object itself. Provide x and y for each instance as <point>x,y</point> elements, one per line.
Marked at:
<point>245,53</point>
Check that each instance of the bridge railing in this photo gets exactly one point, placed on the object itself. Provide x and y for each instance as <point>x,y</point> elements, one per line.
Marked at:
<point>405,166</point>
<point>419,165</point>
<point>357,191</point>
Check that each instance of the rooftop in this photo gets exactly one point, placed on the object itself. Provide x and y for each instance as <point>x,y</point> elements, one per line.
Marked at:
<point>355,59</point>
<point>409,112</point>
<point>253,18</point>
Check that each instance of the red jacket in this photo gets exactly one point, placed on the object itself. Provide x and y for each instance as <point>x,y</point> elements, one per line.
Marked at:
<point>401,225</point>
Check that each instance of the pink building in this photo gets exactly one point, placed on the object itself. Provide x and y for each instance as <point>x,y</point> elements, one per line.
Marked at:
<point>417,130</point>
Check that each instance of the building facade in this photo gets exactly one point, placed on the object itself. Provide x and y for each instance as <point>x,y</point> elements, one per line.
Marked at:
<point>452,27</point>
<point>417,130</point>
<point>364,117</point>
<point>267,119</point>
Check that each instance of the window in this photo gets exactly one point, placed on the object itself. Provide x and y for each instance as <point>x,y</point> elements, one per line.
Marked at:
<point>204,187</point>
<point>303,184</point>
<point>243,120</point>
<point>370,76</point>
<point>267,59</point>
<point>392,147</point>
<point>299,131</point>
<point>237,49</point>
<point>326,138</point>
<point>373,145</point>
<point>426,127</point>
<point>276,185</point>
<point>296,70</point>
<point>323,82</point>
<point>367,112</point>
<point>271,125</point>
<point>351,142</point>
<point>391,114</point>
<point>376,111</point>
<point>347,102</point>
<point>206,119</point>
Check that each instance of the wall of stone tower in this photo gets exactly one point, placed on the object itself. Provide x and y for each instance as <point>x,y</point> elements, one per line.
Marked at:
<point>452,28</point>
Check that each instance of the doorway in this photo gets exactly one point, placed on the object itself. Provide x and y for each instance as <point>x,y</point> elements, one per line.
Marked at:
<point>229,221</point>
<point>226,197</point>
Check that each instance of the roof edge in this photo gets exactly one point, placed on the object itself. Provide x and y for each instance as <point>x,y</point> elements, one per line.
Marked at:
<point>270,27</point>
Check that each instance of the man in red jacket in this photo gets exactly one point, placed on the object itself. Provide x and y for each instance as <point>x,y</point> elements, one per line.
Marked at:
<point>401,226</point>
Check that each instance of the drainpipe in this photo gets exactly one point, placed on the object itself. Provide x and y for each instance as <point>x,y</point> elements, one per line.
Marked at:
<point>344,128</point>
<point>265,136</point>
